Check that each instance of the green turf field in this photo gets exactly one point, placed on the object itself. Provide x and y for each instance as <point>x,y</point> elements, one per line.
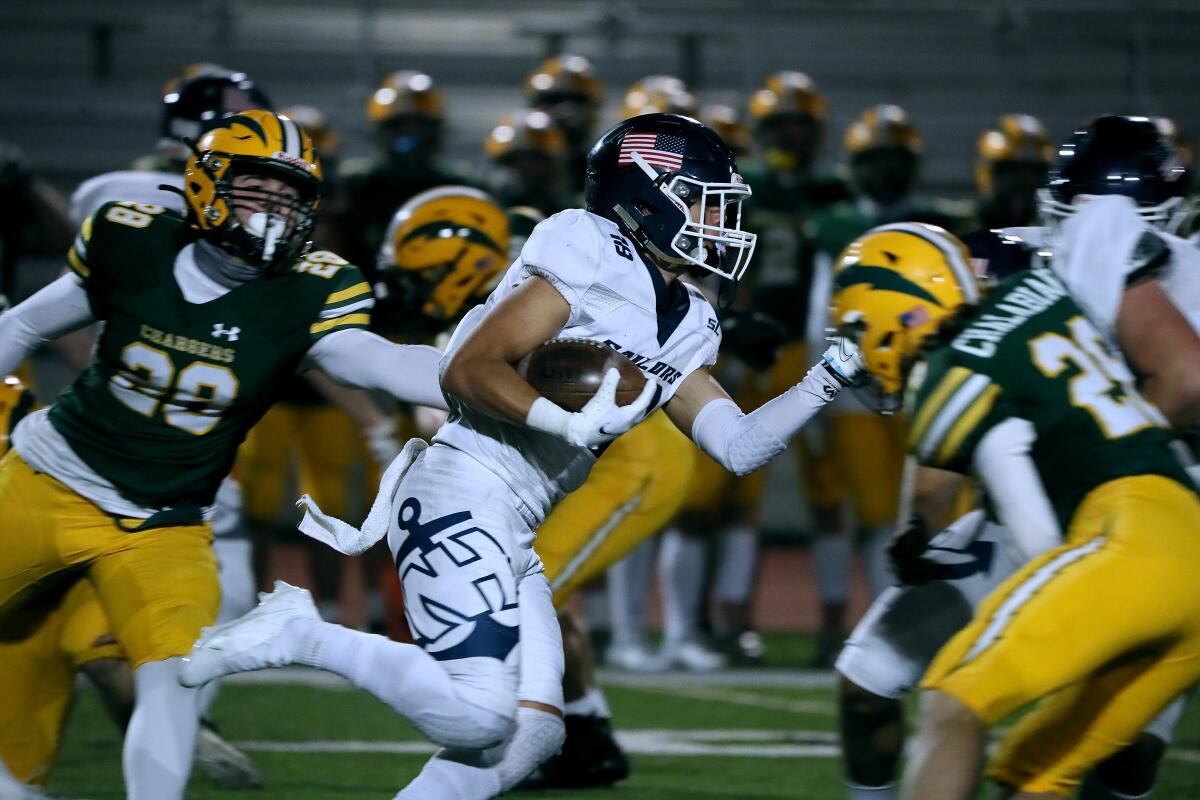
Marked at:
<point>761,734</point>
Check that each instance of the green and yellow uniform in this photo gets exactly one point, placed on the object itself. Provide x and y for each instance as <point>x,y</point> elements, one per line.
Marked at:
<point>1028,358</point>
<point>134,451</point>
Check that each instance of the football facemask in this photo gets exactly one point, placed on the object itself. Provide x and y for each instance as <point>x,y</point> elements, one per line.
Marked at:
<point>723,248</point>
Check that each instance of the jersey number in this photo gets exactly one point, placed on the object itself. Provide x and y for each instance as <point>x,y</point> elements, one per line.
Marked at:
<point>322,263</point>
<point>1103,385</point>
<point>135,215</point>
<point>192,400</point>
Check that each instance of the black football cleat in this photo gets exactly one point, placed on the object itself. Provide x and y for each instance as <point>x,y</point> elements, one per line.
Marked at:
<point>590,757</point>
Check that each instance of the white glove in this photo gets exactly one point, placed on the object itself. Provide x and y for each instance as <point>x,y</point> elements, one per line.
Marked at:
<point>382,442</point>
<point>600,420</point>
<point>843,360</point>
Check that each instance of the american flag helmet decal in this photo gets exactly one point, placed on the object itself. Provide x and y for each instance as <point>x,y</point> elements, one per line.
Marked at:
<point>663,150</point>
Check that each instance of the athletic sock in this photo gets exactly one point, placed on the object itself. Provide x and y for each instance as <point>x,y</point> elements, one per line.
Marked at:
<point>888,792</point>
<point>157,755</point>
<point>628,588</point>
<point>831,559</point>
<point>737,564</point>
<point>592,704</point>
<point>681,580</point>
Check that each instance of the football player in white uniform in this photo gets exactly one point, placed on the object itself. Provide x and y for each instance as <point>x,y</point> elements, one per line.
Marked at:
<point>664,197</point>
<point>1140,285</point>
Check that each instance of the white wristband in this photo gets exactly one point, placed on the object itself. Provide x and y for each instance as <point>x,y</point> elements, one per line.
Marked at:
<point>547,417</point>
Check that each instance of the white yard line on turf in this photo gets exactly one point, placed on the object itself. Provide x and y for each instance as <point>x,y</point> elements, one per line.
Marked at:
<point>742,678</point>
<point>741,698</point>
<point>680,743</point>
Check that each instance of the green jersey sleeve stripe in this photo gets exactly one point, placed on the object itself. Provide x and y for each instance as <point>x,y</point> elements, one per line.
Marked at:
<point>962,399</point>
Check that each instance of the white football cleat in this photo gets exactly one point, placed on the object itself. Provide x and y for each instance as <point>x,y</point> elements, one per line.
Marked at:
<point>692,656</point>
<point>228,767</point>
<point>254,640</point>
<point>634,657</point>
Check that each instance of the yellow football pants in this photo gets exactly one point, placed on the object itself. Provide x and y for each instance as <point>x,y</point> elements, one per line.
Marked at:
<point>157,587</point>
<point>1105,630</point>
<point>635,488</point>
<point>45,645</point>
<point>864,459</point>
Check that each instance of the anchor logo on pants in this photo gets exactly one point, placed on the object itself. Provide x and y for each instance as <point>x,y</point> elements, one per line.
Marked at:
<point>451,589</point>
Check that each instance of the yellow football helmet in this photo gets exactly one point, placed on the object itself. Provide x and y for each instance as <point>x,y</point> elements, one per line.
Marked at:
<point>529,131</point>
<point>725,121</point>
<point>566,88</point>
<point>406,92</point>
<point>882,126</point>
<point>1016,138</point>
<point>893,287</point>
<point>261,225</point>
<point>787,92</point>
<point>659,93</point>
<point>562,77</point>
<point>443,252</point>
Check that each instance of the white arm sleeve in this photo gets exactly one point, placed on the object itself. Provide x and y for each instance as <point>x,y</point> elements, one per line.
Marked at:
<point>1002,461</point>
<point>358,358</point>
<point>55,310</point>
<point>742,443</point>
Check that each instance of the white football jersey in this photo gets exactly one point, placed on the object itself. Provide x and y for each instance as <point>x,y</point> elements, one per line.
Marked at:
<point>1096,255</point>
<point>140,186</point>
<point>616,299</point>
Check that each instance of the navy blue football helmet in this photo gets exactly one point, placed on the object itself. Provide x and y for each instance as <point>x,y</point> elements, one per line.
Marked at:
<point>196,101</point>
<point>672,185</point>
<point>1119,155</point>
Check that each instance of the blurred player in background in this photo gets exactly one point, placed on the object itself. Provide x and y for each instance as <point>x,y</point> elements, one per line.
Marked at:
<point>407,115</point>
<point>566,88</point>
<point>1013,159</point>
<point>530,154</point>
<point>863,453</point>
<point>33,215</point>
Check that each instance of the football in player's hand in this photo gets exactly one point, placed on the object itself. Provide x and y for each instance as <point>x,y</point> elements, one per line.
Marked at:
<point>568,372</point>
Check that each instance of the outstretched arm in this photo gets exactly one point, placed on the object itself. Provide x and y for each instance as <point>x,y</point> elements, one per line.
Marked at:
<point>56,309</point>
<point>358,358</point>
<point>744,442</point>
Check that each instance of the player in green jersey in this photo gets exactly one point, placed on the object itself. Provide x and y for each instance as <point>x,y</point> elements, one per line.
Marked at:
<point>206,316</point>
<point>1019,389</point>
